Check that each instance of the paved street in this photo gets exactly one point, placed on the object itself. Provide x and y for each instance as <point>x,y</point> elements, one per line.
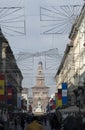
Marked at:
<point>47,127</point>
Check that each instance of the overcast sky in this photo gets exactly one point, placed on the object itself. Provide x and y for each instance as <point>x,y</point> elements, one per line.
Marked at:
<point>33,41</point>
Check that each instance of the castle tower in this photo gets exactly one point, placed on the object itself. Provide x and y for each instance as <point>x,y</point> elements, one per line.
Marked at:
<point>40,91</point>
<point>40,76</point>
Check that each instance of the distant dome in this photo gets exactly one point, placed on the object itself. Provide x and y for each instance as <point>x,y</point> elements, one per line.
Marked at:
<point>40,62</point>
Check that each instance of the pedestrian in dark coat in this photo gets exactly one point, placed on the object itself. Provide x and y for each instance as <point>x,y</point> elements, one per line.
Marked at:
<point>1,125</point>
<point>15,122</point>
<point>56,123</point>
<point>51,120</point>
<point>45,120</point>
<point>71,124</point>
<point>22,123</point>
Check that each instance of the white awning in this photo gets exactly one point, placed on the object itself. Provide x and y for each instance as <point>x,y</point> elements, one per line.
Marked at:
<point>72,109</point>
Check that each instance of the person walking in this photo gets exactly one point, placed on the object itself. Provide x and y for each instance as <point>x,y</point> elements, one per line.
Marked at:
<point>35,125</point>
<point>22,123</point>
<point>58,119</point>
<point>1,124</point>
<point>50,119</point>
<point>15,122</point>
<point>5,119</point>
<point>45,120</point>
<point>71,124</point>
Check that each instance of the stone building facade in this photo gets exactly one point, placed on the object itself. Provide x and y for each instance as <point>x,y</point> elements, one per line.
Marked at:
<point>40,92</point>
<point>72,67</point>
<point>12,74</point>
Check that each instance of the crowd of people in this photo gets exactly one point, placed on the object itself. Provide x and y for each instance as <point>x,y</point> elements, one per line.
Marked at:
<point>38,122</point>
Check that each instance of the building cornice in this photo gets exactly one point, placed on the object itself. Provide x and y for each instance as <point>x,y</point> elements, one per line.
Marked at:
<point>76,25</point>
<point>63,59</point>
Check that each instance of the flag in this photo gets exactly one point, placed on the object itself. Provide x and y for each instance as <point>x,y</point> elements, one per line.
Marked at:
<point>2,87</point>
<point>59,97</point>
<point>64,93</point>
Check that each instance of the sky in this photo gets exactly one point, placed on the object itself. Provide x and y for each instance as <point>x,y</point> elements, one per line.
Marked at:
<point>24,27</point>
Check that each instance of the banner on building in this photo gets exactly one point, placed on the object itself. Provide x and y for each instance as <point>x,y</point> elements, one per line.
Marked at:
<point>59,97</point>
<point>2,87</point>
<point>64,94</point>
<point>9,94</point>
